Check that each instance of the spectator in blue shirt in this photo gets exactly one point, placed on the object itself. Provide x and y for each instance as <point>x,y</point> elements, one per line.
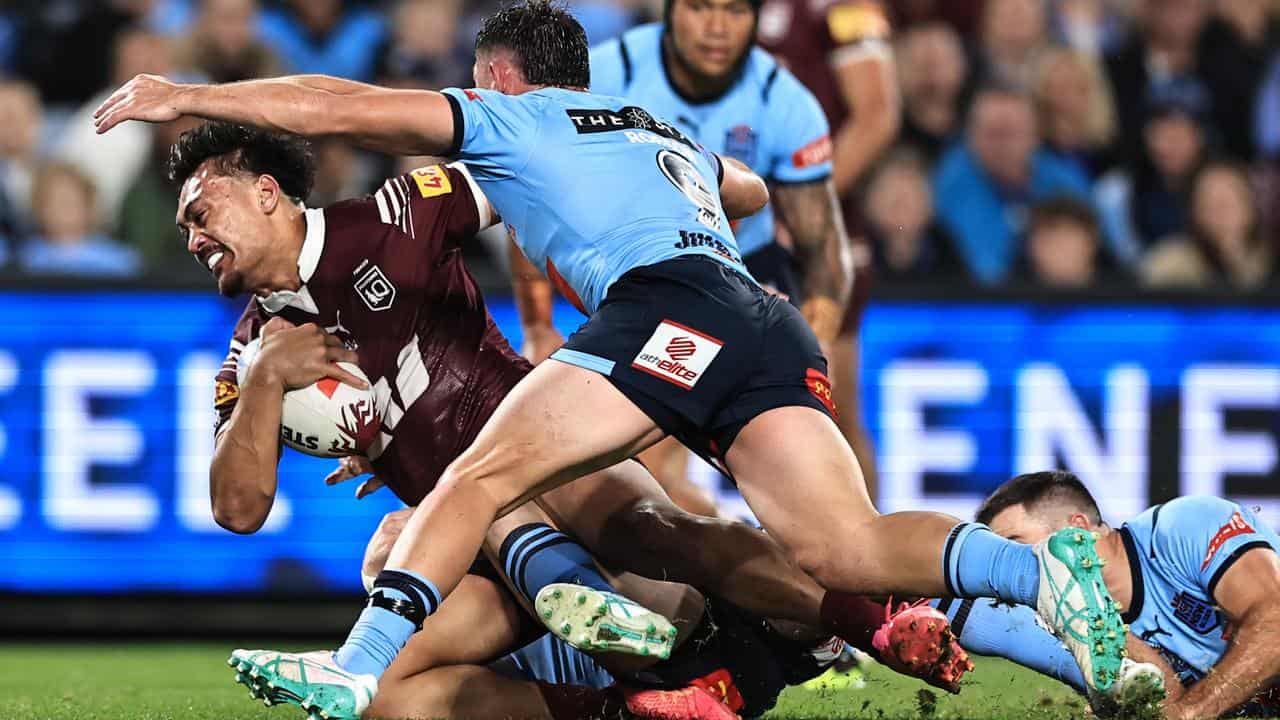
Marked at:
<point>66,243</point>
<point>986,184</point>
<point>318,36</point>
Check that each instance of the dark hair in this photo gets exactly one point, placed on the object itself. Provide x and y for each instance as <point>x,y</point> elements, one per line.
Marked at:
<point>241,149</point>
<point>1034,489</point>
<point>1063,209</point>
<point>549,43</point>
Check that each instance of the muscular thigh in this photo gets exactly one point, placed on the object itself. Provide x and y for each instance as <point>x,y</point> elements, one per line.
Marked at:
<point>559,423</point>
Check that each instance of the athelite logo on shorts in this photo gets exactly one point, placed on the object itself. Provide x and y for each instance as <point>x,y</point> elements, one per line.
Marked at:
<point>1235,526</point>
<point>678,354</point>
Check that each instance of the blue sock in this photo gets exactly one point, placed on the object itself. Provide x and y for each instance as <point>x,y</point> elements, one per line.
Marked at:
<point>381,632</point>
<point>536,555</point>
<point>989,627</point>
<point>979,563</point>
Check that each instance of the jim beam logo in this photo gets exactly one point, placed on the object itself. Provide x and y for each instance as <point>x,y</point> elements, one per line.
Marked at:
<point>373,287</point>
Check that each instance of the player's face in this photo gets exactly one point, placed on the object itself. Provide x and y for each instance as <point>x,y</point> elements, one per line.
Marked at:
<point>1015,523</point>
<point>226,232</point>
<point>710,36</point>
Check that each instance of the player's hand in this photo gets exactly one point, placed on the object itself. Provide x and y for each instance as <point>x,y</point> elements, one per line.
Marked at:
<point>149,98</point>
<point>298,356</point>
<point>384,538</point>
<point>354,466</point>
<point>540,341</point>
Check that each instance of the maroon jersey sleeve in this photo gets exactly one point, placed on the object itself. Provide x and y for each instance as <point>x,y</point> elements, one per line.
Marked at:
<point>438,204</point>
<point>226,390</point>
<point>812,37</point>
<point>856,26</point>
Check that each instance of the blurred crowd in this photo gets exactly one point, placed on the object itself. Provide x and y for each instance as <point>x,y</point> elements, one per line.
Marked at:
<point>1063,143</point>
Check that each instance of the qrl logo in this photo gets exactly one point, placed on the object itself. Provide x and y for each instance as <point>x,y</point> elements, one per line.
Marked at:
<point>375,289</point>
<point>681,348</point>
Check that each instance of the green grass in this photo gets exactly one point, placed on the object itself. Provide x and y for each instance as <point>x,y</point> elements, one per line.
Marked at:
<point>190,681</point>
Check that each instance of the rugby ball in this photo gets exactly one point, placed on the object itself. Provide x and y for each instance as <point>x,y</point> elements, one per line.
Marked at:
<point>327,418</point>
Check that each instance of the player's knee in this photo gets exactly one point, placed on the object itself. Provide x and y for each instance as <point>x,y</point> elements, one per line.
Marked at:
<point>819,562</point>
<point>483,489</point>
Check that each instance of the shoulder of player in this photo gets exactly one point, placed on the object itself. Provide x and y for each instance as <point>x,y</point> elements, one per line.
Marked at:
<point>1181,527</point>
<point>356,227</point>
<point>643,44</point>
<point>1193,512</point>
<point>779,89</point>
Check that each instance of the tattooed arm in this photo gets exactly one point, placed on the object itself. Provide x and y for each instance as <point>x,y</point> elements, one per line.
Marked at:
<point>812,215</point>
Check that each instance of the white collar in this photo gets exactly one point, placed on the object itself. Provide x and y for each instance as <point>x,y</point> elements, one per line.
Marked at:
<point>308,260</point>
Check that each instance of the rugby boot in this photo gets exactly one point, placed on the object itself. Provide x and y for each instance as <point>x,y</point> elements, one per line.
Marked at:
<point>1074,602</point>
<point>598,621</point>
<point>312,681</point>
<point>690,703</point>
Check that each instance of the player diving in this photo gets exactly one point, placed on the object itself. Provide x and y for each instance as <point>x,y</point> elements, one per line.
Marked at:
<point>630,219</point>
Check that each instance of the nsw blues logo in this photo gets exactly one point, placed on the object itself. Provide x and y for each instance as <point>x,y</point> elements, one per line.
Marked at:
<point>740,144</point>
<point>1199,615</point>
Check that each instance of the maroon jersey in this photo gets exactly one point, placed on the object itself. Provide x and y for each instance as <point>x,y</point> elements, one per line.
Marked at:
<point>811,37</point>
<point>385,274</point>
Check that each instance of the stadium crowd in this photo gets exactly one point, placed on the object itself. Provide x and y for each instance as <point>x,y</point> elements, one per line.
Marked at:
<point>1052,143</point>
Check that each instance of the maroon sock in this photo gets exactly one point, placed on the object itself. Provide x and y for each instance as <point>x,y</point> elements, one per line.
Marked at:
<point>576,702</point>
<point>853,618</point>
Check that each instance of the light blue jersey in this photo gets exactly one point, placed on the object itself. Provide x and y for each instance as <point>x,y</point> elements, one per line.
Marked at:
<point>767,120</point>
<point>1178,553</point>
<point>591,186</point>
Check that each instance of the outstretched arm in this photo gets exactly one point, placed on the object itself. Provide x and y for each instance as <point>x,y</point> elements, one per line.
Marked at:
<point>742,192</point>
<point>812,214</point>
<point>397,122</point>
<point>1247,594</point>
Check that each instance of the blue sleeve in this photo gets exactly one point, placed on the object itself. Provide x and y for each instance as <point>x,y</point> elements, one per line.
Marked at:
<point>799,136</point>
<point>607,69</point>
<point>1203,536</point>
<point>493,133</point>
<point>1013,632</point>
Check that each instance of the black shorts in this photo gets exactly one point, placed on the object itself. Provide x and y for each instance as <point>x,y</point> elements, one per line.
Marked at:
<point>702,350</point>
<point>737,656</point>
<point>773,266</point>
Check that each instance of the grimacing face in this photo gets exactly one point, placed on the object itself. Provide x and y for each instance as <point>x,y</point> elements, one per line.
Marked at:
<point>224,220</point>
<point>711,36</point>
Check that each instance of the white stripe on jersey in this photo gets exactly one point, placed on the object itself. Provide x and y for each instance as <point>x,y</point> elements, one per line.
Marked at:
<point>383,213</point>
<point>408,216</point>
<point>482,202</point>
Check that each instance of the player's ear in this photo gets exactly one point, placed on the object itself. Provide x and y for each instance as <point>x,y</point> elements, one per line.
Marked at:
<point>1080,520</point>
<point>268,192</point>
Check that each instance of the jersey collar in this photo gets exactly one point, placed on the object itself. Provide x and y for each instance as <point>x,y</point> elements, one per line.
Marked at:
<point>308,260</point>
<point>1138,596</point>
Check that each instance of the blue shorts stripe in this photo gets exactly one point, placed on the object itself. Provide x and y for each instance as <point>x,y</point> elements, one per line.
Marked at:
<point>587,361</point>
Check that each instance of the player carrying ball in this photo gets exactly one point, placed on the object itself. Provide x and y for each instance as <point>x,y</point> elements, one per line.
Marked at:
<point>631,220</point>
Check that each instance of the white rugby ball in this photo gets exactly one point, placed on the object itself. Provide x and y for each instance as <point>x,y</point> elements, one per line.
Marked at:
<point>327,418</point>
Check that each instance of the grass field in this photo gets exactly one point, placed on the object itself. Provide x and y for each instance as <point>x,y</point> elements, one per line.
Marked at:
<point>191,682</point>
